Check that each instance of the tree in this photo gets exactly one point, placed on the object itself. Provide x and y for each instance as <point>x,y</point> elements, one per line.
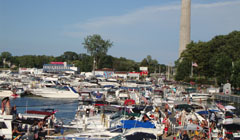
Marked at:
<point>183,69</point>
<point>70,56</point>
<point>106,62</point>
<point>97,47</point>
<point>236,74</point>
<point>85,62</point>
<point>152,64</point>
<point>5,56</point>
<point>223,68</point>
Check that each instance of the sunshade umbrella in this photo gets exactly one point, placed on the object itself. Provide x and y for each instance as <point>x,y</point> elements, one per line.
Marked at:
<point>230,107</point>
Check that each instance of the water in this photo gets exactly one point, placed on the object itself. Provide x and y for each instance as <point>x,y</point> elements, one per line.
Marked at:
<point>66,108</point>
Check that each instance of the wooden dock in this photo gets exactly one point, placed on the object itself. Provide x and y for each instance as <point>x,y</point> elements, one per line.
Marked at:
<point>228,98</point>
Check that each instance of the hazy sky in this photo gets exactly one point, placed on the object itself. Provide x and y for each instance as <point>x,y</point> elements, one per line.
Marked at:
<point>137,28</point>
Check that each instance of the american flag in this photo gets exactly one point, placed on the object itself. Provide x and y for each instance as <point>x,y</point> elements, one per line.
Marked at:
<point>195,64</point>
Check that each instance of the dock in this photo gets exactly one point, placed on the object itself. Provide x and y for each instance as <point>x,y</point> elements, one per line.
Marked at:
<point>227,97</point>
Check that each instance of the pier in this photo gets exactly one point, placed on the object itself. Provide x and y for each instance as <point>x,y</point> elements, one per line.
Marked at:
<point>229,98</point>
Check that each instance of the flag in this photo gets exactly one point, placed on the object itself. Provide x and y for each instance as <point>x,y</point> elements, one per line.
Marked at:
<point>195,64</point>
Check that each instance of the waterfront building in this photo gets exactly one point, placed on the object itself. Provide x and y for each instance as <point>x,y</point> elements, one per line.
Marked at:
<point>59,67</point>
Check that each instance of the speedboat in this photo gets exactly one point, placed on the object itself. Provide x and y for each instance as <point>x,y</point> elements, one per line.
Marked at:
<point>7,92</point>
<point>66,92</point>
<point>199,96</point>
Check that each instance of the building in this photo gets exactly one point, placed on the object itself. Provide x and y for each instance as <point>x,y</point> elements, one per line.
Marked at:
<point>120,74</point>
<point>59,67</point>
<point>30,71</point>
<point>105,72</point>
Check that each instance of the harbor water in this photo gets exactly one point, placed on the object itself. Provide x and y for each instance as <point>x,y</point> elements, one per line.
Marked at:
<point>66,108</point>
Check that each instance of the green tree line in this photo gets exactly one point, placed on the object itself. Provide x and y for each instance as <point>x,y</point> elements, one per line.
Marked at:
<point>82,60</point>
<point>98,58</point>
<point>218,60</point>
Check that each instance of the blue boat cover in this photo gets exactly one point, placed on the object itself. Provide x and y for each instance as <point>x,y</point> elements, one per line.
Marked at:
<point>128,124</point>
<point>206,112</point>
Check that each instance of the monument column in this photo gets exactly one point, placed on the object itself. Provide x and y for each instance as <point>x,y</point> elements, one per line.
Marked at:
<point>185,25</point>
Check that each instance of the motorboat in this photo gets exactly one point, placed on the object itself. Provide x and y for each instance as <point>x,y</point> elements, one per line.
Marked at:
<point>8,92</point>
<point>6,125</point>
<point>198,96</point>
<point>65,92</point>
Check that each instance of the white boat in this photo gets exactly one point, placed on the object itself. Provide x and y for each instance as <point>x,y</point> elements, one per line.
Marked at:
<point>5,93</point>
<point>199,96</point>
<point>142,133</point>
<point>129,84</point>
<point>6,125</point>
<point>57,92</point>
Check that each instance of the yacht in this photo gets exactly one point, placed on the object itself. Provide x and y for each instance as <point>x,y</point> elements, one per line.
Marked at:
<point>199,96</point>
<point>66,92</point>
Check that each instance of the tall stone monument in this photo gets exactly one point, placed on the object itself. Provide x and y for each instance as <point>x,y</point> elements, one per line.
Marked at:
<point>185,25</point>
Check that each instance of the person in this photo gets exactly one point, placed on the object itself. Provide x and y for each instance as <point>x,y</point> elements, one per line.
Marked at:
<point>195,137</point>
<point>220,137</point>
<point>179,120</point>
<point>166,108</point>
<point>15,132</point>
<point>204,136</point>
<point>212,119</point>
<point>185,136</point>
<point>166,122</point>
<point>225,138</point>
<point>145,118</point>
<point>14,111</point>
<point>156,114</point>
<point>6,106</point>
<point>179,134</point>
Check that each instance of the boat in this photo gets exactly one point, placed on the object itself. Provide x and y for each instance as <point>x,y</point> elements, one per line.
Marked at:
<point>198,96</point>
<point>6,125</point>
<point>6,91</point>
<point>65,92</point>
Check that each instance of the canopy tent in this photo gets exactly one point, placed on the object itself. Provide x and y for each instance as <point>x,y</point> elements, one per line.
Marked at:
<point>230,107</point>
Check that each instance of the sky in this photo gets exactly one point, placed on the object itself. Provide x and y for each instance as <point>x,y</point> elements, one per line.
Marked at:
<point>137,28</point>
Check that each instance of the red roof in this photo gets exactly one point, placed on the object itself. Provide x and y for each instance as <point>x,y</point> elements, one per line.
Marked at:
<point>59,63</point>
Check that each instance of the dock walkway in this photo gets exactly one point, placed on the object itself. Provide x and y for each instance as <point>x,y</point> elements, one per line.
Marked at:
<point>227,97</point>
